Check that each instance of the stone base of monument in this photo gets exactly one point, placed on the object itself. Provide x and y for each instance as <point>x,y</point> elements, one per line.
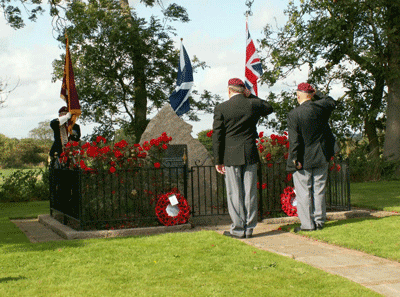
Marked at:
<point>69,233</point>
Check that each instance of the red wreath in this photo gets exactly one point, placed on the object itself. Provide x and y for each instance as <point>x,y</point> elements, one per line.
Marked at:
<point>287,199</point>
<point>161,209</point>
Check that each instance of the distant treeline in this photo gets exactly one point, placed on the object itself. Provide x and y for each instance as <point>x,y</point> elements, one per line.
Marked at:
<point>23,153</point>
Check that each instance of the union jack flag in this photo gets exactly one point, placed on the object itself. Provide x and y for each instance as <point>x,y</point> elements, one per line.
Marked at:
<point>253,68</point>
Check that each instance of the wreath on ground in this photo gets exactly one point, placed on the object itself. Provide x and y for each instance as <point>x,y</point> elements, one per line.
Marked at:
<point>172,209</point>
<point>288,201</point>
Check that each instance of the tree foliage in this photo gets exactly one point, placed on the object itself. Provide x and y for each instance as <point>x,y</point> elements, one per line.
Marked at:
<point>23,153</point>
<point>42,132</point>
<point>125,66</point>
<point>349,42</point>
<point>205,138</point>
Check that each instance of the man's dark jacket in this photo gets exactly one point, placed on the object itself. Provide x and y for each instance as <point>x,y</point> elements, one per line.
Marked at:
<point>235,131</point>
<point>311,141</point>
<point>57,147</point>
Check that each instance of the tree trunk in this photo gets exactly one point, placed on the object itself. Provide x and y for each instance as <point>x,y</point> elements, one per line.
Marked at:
<point>370,131</point>
<point>140,93</point>
<point>391,149</point>
<point>370,120</point>
<point>140,103</point>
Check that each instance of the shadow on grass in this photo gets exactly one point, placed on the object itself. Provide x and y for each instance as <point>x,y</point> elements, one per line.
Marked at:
<point>330,224</point>
<point>15,247</point>
<point>8,279</point>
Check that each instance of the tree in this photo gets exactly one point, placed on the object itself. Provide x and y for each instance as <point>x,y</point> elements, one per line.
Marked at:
<point>5,90</point>
<point>42,132</point>
<point>352,42</point>
<point>205,138</point>
<point>125,66</point>
<point>12,10</point>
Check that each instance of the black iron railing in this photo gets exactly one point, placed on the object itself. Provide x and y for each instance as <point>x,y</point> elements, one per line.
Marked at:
<point>101,200</point>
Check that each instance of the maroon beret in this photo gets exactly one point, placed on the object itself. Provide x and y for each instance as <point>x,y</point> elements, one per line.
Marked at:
<point>63,109</point>
<point>305,87</point>
<point>236,82</point>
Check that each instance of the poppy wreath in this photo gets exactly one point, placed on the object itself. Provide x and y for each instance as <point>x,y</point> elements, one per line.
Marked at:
<point>161,209</point>
<point>287,198</point>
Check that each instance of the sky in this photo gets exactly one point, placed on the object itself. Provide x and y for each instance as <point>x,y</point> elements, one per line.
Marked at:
<point>215,34</point>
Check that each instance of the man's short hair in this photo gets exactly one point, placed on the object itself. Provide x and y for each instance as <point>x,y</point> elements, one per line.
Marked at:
<point>237,89</point>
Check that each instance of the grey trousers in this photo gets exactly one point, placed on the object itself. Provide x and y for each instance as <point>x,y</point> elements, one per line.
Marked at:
<point>241,187</point>
<point>310,186</point>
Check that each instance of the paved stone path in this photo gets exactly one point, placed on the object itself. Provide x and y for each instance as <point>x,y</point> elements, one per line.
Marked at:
<point>378,274</point>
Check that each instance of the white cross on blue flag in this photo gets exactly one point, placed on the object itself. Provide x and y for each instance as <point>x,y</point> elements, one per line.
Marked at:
<point>179,99</point>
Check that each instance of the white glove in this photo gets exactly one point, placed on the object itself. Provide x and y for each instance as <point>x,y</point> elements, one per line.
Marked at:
<point>64,119</point>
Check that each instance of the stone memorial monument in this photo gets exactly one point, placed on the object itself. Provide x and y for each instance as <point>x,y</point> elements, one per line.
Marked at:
<point>199,161</point>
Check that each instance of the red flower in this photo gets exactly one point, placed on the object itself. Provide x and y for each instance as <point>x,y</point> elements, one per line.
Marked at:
<point>264,186</point>
<point>285,133</point>
<point>268,157</point>
<point>289,177</point>
<point>68,144</point>
<point>82,164</point>
<point>75,143</point>
<point>112,163</point>
<point>286,156</point>
<point>338,167</point>
<point>210,133</point>
<point>118,154</point>
<point>164,146</point>
<point>270,164</point>
<point>260,135</point>
<point>121,144</point>
<point>157,165</point>
<point>112,170</point>
<point>105,149</point>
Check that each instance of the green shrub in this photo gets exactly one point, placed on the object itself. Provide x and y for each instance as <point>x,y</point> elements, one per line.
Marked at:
<point>25,185</point>
<point>364,166</point>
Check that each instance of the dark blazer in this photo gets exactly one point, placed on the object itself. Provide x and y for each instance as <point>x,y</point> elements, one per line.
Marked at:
<point>235,132</point>
<point>57,147</point>
<point>311,141</point>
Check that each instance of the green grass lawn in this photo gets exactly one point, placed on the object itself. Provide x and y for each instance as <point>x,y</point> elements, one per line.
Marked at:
<point>181,264</point>
<point>375,236</point>
<point>383,195</point>
<point>185,264</point>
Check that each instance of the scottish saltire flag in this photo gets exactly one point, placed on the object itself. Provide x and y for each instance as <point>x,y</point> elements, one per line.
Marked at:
<point>179,99</point>
<point>253,68</point>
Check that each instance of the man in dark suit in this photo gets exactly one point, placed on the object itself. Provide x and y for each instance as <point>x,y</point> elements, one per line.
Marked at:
<point>61,137</point>
<point>311,145</point>
<point>236,154</point>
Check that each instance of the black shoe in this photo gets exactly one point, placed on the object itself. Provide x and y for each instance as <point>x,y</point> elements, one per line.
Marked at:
<point>227,233</point>
<point>319,226</point>
<point>298,229</point>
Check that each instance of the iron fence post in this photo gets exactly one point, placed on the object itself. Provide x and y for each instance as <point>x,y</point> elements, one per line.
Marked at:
<point>348,182</point>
